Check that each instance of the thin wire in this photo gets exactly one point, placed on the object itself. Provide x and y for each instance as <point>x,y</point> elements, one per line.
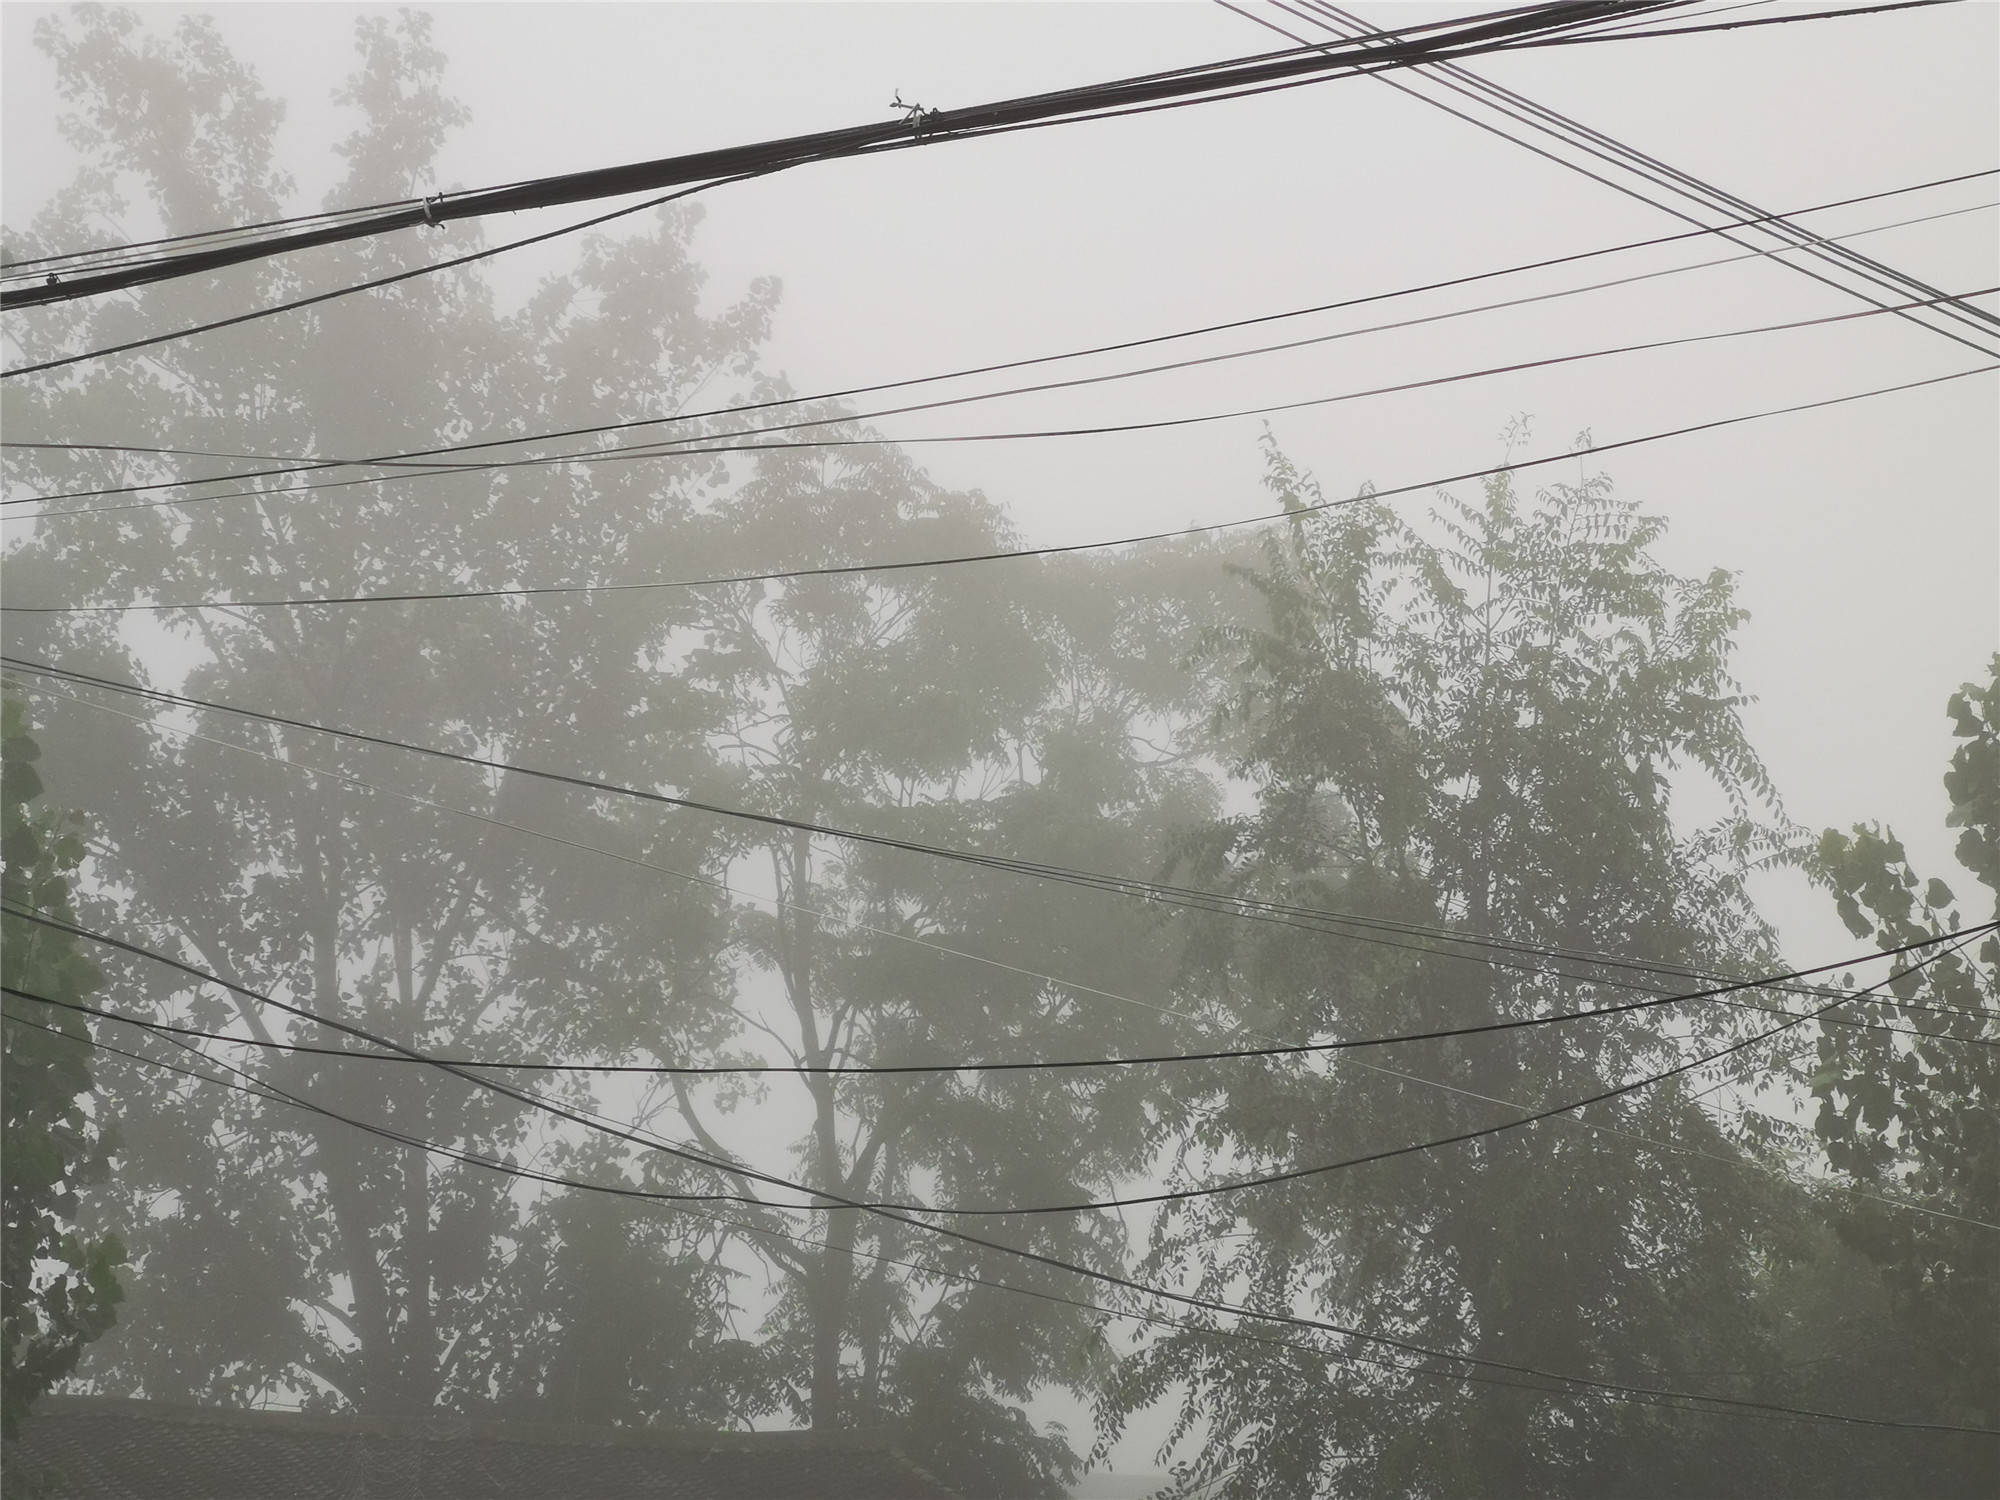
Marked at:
<point>835,1201</point>
<point>1157,892</point>
<point>260,1090</point>
<point>11,269</point>
<point>1654,1001</point>
<point>1198,1303</point>
<point>1467,39</point>
<point>297,465</point>
<point>658,447</point>
<point>997,554</point>
<point>150,340</point>
<point>1823,15</point>
<point>1297,1049</point>
<point>1320,1169</point>
<point>1643,1140</point>
<point>1606,149</point>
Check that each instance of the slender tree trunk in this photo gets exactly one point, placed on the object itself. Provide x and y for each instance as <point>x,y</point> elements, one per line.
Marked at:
<point>418,1354</point>
<point>830,1318</point>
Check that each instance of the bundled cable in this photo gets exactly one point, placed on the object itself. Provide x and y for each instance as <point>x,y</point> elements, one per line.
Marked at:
<point>1379,51</point>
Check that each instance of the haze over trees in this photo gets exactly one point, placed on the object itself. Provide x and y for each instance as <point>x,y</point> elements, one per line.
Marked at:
<point>1432,759</point>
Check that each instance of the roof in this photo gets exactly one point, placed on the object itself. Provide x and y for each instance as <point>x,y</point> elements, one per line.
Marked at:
<point>149,1450</point>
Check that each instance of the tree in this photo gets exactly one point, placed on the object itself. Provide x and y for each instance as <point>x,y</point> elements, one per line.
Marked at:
<point>284,1255</point>
<point>1473,730</point>
<point>989,710</point>
<point>1921,1111</point>
<point>61,1286</point>
<point>279,860</point>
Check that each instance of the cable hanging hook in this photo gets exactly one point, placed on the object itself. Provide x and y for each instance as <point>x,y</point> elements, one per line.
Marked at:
<point>922,122</point>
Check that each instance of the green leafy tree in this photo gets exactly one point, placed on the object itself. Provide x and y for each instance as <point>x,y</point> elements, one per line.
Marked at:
<point>989,709</point>
<point>61,1285</point>
<point>1034,711</point>
<point>279,1253</point>
<point>1923,1115</point>
<point>1473,728</point>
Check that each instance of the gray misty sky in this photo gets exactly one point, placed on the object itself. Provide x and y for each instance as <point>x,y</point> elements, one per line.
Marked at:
<point>1867,535</point>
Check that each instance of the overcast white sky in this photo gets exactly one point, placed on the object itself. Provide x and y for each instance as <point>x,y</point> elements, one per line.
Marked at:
<point>1867,535</point>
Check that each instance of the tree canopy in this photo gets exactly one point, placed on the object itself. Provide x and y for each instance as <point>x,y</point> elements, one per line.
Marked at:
<point>62,1288</point>
<point>1374,773</point>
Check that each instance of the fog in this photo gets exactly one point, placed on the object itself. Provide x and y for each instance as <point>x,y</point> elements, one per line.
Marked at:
<point>1490,749</point>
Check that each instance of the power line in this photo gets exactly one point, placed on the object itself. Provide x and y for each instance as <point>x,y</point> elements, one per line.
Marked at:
<point>1245,909</point>
<point>1157,892</point>
<point>1514,106</point>
<point>1094,991</point>
<point>1379,51</point>
<point>1550,25</point>
<point>1253,915</point>
<point>1373,64</point>
<point>1317,920</point>
<point>439,201</point>
<point>834,1201</point>
<point>660,448</point>
<point>1358,926</point>
<point>413,459</point>
<point>713,441</point>
<point>1655,1001</point>
<point>150,340</point>
<point>995,554</point>
<point>260,1090</point>
<point>850,1070</point>
<point>1199,1303</point>
<point>32,267</point>
<point>1321,1169</point>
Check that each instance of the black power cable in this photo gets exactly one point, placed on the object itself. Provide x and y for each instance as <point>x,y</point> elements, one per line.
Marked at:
<point>1656,1000</point>
<point>415,459</point>
<point>1198,1303</point>
<point>1432,940</point>
<point>1514,106</point>
<point>1370,65</point>
<point>1480,947</point>
<point>833,1201</point>
<point>1333,923</point>
<point>832,570</point>
<point>258,1089</point>
<point>774,155</point>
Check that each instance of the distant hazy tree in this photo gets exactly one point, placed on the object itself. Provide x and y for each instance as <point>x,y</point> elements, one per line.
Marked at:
<point>998,709</point>
<point>281,1253</point>
<point>1022,708</point>
<point>1472,729</point>
<point>61,1286</point>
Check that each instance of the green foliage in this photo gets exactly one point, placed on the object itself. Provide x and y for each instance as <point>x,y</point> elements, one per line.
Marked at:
<point>971,710</point>
<point>1474,726</point>
<point>1923,1114</point>
<point>283,1254</point>
<point>61,1286</point>
<point>1022,708</point>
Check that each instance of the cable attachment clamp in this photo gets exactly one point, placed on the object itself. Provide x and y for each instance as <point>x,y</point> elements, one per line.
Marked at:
<point>923,122</point>
<point>431,207</point>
